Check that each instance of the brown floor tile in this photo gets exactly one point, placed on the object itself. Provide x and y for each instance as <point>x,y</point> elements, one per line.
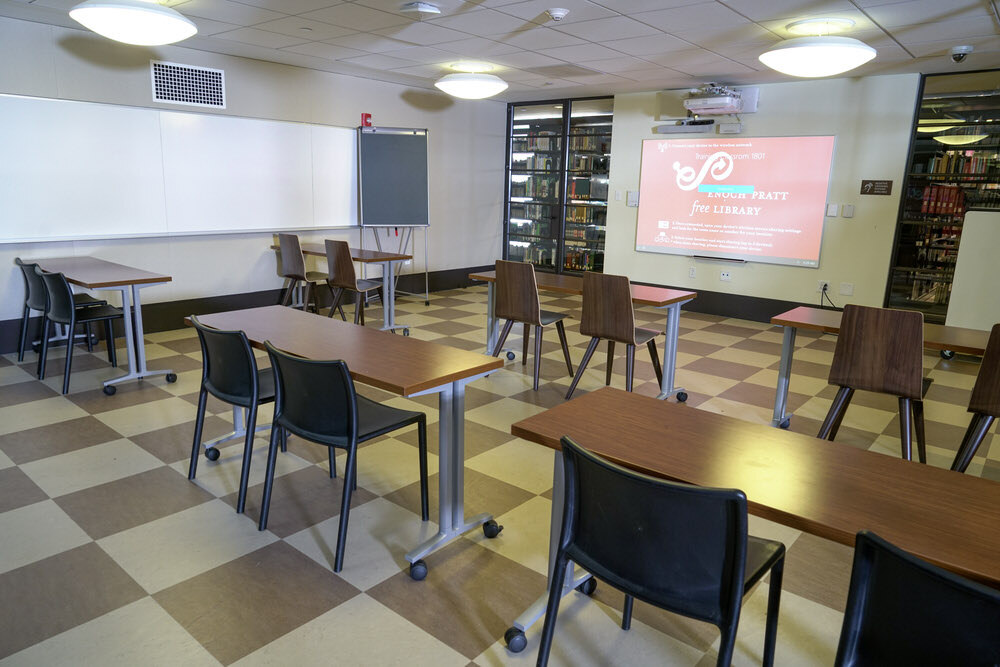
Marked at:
<point>695,347</point>
<point>183,345</point>
<point>868,399</point>
<point>238,607</point>
<point>703,317</point>
<point>23,392</point>
<point>212,405</point>
<point>60,438</point>
<point>818,570</point>
<point>177,363</point>
<point>301,499</point>
<point>759,346</point>
<point>762,397</point>
<point>482,494</point>
<point>720,368</point>
<point>825,344</point>
<point>947,436</point>
<point>730,330</point>
<point>548,395</point>
<point>82,361</point>
<point>17,490</point>
<point>960,364</point>
<point>450,328</point>
<point>478,438</point>
<point>5,362</point>
<point>438,302</point>
<point>445,313</point>
<point>128,394</point>
<point>462,343</point>
<point>991,470</point>
<point>946,394</point>
<point>469,598</point>
<point>807,368</point>
<point>110,508</point>
<point>688,630</point>
<point>57,593</point>
<point>173,443</point>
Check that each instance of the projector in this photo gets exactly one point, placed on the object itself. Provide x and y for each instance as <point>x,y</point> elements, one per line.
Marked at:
<point>714,104</point>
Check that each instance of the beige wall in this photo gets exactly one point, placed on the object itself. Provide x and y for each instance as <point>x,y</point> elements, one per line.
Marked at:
<point>871,119</point>
<point>465,154</point>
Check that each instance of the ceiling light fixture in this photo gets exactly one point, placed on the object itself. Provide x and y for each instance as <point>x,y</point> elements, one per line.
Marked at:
<point>960,139</point>
<point>139,22</point>
<point>471,82</point>
<point>420,8</point>
<point>931,125</point>
<point>818,55</point>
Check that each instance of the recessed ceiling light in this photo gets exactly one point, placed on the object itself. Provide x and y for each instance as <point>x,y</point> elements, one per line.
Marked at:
<point>819,26</point>
<point>471,85</point>
<point>473,66</point>
<point>139,22</point>
<point>420,8</point>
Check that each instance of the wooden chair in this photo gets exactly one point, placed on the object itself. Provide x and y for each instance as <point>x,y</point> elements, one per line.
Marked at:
<point>608,313</point>
<point>517,301</point>
<point>341,277</point>
<point>984,403</point>
<point>880,350</point>
<point>292,267</point>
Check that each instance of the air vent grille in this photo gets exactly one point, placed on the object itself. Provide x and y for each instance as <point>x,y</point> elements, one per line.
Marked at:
<point>186,84</point>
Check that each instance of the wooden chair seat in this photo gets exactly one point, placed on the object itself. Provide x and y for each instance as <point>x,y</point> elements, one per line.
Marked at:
<point>984,404</point>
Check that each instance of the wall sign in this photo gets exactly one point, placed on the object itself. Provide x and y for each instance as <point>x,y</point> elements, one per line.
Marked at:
<point>876,187</point>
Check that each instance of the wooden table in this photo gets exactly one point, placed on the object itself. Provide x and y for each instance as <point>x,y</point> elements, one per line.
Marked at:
<point>643,295</point>
<point>98,274</point>
<point>388,260</point>
<point>824,488</point>
<point>402,365</point>
<point>936,337</point>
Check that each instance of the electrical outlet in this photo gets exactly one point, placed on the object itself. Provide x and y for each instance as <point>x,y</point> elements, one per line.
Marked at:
<point>822,286</point>
<point>724,276</point>
<point>692,272</point>
<point>847,289</point>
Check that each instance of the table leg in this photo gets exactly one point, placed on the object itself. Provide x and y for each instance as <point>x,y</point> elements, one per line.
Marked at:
<point>491,320</point>
<point>239,429</point>
<point>667,388</point>
<point>779,418</point>
<point>389,294</point>
<point>134,344</point>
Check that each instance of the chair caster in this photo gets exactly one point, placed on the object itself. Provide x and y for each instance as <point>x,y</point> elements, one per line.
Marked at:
<point>947,354</point>
<point>510,356</point>
<point>682,396</point>
<point>110,389</point>
<point>212,454</point>
<point>406,332</point>
<point>515,640</point>
<point>418,570</point>
<point>588,587</point>
<point>171,377</point>
<point>785,423</point>
<point>491,529</point>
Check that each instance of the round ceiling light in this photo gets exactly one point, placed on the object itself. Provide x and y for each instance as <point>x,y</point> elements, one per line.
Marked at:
<point>817,56</point>
<point>471,85</point>
<point>139,22</point>
<point>820,26</point>
<point>473,66</point>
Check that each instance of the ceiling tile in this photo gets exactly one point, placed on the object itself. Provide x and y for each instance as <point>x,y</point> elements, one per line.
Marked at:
<point>789,10</point>
<point>688,57</point>
<point>619,27</point>
<point>447,7</point>
<point>270,40</point>
<point>482,23</point>
<point>327,51</point>
<point>957,30</point>
<point>943,48</point>
<point>591,79</point>
<point>208,27</point>
<point>378,61</point>
<point>646,46</point>
<point>714,71</point>
<point>579,10</point>
<point>631,6</point>
<point>292,6</point>
<point>423,33</point>
<point>228,12</point>
<point>716,39</point>
<point>581,53</point>
<point>928,11</point>
<point>477,47</point>
<point>526,59</point>
<point>295,26</point>
<point>621,64</point>
<point>356,17</point>
<point>540,38</point>
<point>366,41</point>
<point>677,20</point>
<point>425,71</point>
<point>422,54</point>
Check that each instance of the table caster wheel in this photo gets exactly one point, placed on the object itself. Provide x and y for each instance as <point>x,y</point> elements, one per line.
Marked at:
<point>947,354</point>
<point>588,587</point>
<point>491,529</point>
<point>515,640</point>
<point>418,570</point>
<point>406,332</point>
<point>785,423</point>
<point>427,303</point>
<point>682,396</point>
<point>110,389</point>
<point>510,356</point>
<point>212,454</point>
<point>171,377</point>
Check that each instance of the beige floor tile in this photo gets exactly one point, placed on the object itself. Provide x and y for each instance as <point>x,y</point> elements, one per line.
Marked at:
<point>770,530</point>
<point>167,551</point>
<point>525,537</point>
<point>42,530</point>
<point>815,356</point>
<point>188,382</point>
<point>82,380</point>
<point>505,384</point>
<point>148,416</point>
<point>501,414</point>
<point>765,378</point>
<point>355,633</point>
<point>387,465</point>
<point>711,338</point>
<point>5,461</point>
<point>222,477</point>
<point>173,334</point>
<point>14,375</point>
<point>38,413</point>
<point>141,633</point>
<point>517,462</point>
<point>747,324</point>
<point>857,416</point>
<point>702,383</point>
<point>958,380</point>
<point>83,468</point>
<point>743,357</point>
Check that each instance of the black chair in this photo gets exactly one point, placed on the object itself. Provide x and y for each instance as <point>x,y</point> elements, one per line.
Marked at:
<point>316,401</point>
<point>34,299</point>
<point>682,548</point>
<point>60,309</point>
<point>230,373</point>
<point>902,610</point>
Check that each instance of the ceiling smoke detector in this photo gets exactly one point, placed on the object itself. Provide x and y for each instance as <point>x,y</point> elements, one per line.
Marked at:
<point>420,8</point>
<point>557,13</point>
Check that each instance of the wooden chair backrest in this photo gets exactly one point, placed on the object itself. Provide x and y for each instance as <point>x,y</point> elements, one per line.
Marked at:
<point>293,265</point>
<point>607,308</point>
<point>881,350</point>
<point>986,392</point>
<point>340,265</point>
<point>516,292</point>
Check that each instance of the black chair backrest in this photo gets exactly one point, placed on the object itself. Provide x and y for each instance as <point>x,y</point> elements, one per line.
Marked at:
<point>229,369</point>
<point>314,399</point>
<point>59,306</point>
<point>902,610</point>
<point>680,547</point>
<point>34,289</point>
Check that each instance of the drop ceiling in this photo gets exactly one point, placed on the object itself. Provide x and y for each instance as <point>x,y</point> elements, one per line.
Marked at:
<point>601,47</point>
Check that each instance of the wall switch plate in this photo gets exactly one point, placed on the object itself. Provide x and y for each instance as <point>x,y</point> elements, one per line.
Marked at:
<point>847,211</point>
<point>618,195</point>
<point>632,198</point>
<point>831,210</point>
<point>692,272</point>
<point>847,289</point>
<point>724,276</point>
<point>730,128</point>
<point>822,284</point>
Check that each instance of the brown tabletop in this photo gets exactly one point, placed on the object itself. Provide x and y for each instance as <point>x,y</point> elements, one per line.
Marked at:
<point>936,336</point>
<point>824,488</point>
<point>558,282</point>
<point>94,273</point>
<point>357,254</point>
<point>398,364</point>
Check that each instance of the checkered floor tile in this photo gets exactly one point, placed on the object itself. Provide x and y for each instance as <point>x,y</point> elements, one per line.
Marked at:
<point>111,556</point>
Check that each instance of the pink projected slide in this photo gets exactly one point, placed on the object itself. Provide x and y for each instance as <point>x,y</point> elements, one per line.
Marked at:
<point>760,199</point>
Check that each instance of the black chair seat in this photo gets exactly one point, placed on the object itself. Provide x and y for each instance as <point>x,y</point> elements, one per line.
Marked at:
<point>375,419</point>
<point>97,313</point>
<point>643,336</point>
<point>82,300</point>
<point>548,317</point>
<point>762,554</point>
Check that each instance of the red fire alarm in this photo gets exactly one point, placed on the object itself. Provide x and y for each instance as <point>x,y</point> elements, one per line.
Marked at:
<point>366,120</point>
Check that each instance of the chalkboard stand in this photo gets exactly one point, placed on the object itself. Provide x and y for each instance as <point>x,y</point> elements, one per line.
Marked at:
<point>406,247</point>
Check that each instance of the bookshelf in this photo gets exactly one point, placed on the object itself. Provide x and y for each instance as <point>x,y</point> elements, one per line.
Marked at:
<point>556,187</point>
<point>953,167</point>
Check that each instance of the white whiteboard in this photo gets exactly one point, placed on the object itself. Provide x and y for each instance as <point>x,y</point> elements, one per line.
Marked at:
<point>79,170</point>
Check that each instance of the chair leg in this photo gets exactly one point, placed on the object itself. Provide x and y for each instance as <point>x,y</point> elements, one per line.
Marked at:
<point>905,429</point>
<point>773,603</point>
<point>251,424</point>
<point>507,326</point>
<point>359,309</point>
<point>109,336</point>
<point>199,422</point>
<point>422,449</point>
<point>333,462</point>
<point>627,612</point>
<point>286,292</point>
<point>583,365</point>
<point>918,428</point>
<point>337,295</point>
<point>525,340</point>
<point>350,473</point>
<point>727,642</point>
<point>90,337</point>
<point>561,330</point>
<point>22,335</point>
<point>552,608</point>
<point>284,440</point>
<point>654,356</point>
<point>272,455</point>
<point>629,366</point>
<point>70,332</point>
<point>308,297</point>
<point>828,431</point>
<point>539,329</point>
<point>43,356</point>
<point>610,364</point>
<point>979,426</point>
